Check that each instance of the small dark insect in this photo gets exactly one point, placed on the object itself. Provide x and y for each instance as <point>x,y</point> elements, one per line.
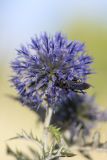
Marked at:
<point>74,85</point>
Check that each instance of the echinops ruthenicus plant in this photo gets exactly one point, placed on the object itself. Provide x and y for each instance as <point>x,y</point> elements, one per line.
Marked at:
<point>50,75</point>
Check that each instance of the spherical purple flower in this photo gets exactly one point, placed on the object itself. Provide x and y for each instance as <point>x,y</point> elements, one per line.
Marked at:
<point>78,115</point>
<point>77,110</point>
<point>49,68</point>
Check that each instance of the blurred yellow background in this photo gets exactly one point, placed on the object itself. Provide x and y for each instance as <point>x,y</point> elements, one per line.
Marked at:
<point>19,20</point>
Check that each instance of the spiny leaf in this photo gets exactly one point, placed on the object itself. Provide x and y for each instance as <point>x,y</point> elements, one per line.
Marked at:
<point>86,154</point>
<point>18,154</point>
<point>26,136</point>
<point>10,151</point>
<point>29,137</point>
<point>55,151</point>
<point>55,133</point>
<point>23,135</point>
<point>34,153</point>
<point>66,153</point>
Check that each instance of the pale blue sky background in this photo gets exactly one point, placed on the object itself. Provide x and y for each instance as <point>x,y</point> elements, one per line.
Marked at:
<point>21,19</point>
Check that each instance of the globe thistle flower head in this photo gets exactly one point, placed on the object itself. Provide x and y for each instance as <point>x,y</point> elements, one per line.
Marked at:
<point>46,69</point>
<point>78,114</point>
<point>74,111</point>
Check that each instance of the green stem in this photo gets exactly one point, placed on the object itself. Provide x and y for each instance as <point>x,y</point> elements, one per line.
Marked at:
<point>46,125</point>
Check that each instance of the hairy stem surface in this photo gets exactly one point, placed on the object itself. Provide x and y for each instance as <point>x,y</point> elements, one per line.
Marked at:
<point>46,125</point>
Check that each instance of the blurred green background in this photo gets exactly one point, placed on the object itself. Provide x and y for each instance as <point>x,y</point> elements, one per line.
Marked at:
<point>19,21</point>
